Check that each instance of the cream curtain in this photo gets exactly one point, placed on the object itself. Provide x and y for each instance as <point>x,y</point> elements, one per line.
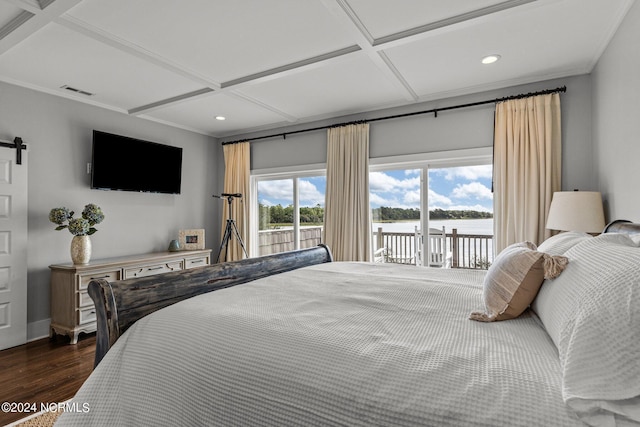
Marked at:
<point>347,219</point>
<point>527,167</point>
<point>237,171</point>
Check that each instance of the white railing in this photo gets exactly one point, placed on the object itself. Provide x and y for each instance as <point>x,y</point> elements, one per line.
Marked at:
<point>458,250</point>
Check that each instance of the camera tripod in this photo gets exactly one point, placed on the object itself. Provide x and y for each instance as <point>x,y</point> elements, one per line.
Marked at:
<point>231,229</point>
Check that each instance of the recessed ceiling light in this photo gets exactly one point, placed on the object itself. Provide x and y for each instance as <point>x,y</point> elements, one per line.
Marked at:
<point>221,118</point>
<point>490,59</point>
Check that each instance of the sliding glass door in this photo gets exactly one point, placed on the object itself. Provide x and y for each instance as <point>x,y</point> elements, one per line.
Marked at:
<point>290,212</point>
<point>453,187</point>
<point>459,225</point>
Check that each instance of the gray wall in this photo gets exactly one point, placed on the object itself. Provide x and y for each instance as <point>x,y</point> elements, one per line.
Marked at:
<point>455,129</point>
<point>58,134</point>
<point>616,120</point>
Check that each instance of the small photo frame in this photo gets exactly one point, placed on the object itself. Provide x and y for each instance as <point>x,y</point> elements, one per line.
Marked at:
<point>191,239</point>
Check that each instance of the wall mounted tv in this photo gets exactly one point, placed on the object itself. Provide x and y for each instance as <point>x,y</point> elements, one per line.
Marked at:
<point>129,164</point>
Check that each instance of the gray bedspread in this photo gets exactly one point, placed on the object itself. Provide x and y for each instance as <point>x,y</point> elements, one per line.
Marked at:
<point>338,344</point>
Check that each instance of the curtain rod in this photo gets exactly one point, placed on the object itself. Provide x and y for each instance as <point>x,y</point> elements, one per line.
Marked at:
<point>435,111</point>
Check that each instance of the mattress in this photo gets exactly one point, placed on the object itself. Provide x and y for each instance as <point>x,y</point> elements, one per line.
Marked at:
<point>336,344</point>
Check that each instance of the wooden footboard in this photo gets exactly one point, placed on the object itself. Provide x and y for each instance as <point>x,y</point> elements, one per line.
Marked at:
<point>119,304</point>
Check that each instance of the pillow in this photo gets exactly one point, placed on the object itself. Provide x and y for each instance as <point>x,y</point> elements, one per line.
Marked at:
<point>562,242</point>
<point>513,280</point>
<point>592,314</point>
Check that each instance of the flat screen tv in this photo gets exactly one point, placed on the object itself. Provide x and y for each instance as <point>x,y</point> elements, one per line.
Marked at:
<point>129,164</point>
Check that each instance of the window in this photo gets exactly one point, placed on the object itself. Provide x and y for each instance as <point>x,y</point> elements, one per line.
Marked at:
<point>289,211</point>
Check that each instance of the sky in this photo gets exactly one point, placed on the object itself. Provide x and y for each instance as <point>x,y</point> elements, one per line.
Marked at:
<point>459,188</point>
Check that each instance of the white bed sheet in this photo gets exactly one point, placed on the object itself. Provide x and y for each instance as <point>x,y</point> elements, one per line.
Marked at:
<point>338,344</point>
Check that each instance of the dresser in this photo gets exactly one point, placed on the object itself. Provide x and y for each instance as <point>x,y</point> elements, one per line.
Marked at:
<point>72,309</point>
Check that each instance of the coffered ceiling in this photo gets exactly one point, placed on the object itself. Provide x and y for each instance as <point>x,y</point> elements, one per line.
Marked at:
<point>269,63</point>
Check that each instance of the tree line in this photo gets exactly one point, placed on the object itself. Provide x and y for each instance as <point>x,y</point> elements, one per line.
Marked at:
<point>384,213</point>
<point>278,214</point>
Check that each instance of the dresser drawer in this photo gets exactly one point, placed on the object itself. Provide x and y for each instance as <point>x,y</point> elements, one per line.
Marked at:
<point>150,270</point>
<point>84,300</point>
<point>109,276</point>
<point>196,262</point>
<point>86,315</point>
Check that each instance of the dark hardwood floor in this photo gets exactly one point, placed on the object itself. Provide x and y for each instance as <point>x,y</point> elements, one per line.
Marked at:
<point>44,371</point>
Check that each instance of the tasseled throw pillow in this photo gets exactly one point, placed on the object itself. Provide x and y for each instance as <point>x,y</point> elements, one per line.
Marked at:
<point>513,281</point>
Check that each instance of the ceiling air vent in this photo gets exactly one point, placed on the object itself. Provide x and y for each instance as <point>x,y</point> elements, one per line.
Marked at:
<point>73,89</point>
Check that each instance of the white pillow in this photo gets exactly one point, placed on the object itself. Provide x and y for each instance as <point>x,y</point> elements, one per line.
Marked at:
<point>592,314</point>
<point>562,242</point>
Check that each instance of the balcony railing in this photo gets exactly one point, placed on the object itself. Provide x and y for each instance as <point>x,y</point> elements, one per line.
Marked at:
<point>471,251</point>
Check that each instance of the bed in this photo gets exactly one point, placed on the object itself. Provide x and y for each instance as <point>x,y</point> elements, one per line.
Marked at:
<point>300,340</point>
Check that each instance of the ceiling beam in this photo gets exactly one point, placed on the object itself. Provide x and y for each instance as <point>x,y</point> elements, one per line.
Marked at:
<point>414,34</point>
<point>364,42</point>
<point>348,18</point>
<point>293,68</point>
<point>37,13</point>
<point>30,20</point>
<point>109,39</point>
<point>170,101</point>
<point>32,6</point>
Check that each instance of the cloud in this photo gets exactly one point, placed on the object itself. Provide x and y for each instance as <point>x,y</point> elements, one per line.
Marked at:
<point>309,194</point>
<point>377,200</point>
<point>473,190</point>
<point>381,182</point>
<point>280,190</point>
<point>470,173</point>
<point>439,200</point>
<point>412,198</point>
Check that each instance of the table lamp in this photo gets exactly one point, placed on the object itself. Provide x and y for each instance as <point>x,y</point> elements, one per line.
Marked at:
<point>576,211</point>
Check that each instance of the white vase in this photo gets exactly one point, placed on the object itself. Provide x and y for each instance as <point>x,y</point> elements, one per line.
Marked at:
<point>80,249</point>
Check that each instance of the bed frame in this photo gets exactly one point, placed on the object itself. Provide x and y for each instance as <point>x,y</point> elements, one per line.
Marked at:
<point>119,304</point>
<point>623,226</point>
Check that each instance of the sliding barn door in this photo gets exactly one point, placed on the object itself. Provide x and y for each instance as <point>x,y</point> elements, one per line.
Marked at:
<point>13,249</point>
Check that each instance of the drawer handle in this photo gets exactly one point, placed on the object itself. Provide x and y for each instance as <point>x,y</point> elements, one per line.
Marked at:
<point>106,276</point>
<point>154,268</point>
<point>198,261</point>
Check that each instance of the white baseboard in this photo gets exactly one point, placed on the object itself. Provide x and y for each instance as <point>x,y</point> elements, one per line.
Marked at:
<point>38,329</point>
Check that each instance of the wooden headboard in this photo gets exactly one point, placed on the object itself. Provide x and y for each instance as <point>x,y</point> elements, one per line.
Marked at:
<point>121,303</point>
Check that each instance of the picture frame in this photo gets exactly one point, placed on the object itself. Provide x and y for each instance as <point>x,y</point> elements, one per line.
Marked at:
<point>192,239</point>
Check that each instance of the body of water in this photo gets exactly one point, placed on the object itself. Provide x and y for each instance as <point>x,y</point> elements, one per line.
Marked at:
<point>465,226</point>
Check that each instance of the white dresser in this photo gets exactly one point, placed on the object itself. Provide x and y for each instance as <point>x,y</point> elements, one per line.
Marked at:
<point>72,310</point>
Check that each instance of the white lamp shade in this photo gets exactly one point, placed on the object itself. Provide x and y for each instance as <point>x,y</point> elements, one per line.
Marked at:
<point>576,211</point>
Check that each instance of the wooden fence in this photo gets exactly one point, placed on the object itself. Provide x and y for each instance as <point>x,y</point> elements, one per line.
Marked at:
<point>281,240</point>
